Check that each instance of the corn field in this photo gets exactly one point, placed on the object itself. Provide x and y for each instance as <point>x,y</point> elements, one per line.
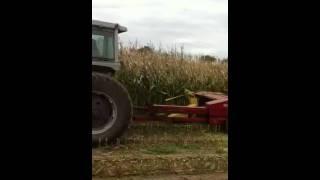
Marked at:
<point>152,77</point>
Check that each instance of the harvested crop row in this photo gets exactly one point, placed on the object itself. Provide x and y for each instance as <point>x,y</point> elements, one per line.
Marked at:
<point>110,166</point>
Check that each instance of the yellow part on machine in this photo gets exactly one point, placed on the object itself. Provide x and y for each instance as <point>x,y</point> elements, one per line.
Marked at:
<point>193,102</point>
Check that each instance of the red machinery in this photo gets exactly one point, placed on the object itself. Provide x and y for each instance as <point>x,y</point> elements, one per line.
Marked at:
<point>211,108</point>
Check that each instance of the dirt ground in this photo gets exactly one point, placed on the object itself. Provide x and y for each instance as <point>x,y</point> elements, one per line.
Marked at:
<point>213,176</point>
<point>160,151</point>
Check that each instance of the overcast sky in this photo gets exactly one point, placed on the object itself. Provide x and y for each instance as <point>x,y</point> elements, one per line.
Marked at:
<point>201,26</point>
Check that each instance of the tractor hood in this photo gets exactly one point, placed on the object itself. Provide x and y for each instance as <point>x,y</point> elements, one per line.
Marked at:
<point>108,25</point>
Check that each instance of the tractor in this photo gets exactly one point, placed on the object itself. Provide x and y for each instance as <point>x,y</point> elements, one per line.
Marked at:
<point>111,103</point>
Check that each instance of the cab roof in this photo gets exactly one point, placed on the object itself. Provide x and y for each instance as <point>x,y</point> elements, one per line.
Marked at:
<point>109,25</point>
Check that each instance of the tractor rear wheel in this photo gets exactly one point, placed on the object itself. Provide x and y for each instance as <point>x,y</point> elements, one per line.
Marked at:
<point>111,108</point>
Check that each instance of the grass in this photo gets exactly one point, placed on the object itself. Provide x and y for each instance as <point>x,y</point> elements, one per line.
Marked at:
<point>170,149</point>
<point>161,149</point>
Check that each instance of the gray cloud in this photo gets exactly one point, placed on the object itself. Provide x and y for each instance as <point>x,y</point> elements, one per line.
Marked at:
<point>201,26</point>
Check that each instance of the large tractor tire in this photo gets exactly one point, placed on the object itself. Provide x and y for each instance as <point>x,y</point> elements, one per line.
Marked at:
<point>111,108</point>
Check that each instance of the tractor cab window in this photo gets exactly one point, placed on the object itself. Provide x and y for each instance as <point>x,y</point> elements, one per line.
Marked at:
<point>103,45</point>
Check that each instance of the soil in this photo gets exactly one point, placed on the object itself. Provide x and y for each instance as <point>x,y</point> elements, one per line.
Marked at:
<point>162,151</point>
<point>212,176</point>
